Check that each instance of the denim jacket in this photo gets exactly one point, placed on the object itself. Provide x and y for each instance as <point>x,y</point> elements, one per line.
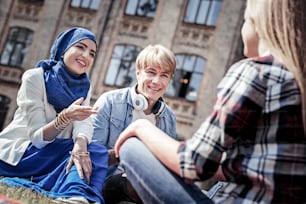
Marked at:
<point>115,114</point>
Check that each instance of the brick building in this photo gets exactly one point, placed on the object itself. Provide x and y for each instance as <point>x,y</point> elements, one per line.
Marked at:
<point>203,34</point>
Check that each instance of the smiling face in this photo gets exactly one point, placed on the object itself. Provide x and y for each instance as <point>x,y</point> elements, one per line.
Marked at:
<point>79,57</point>
<point>152,82</point>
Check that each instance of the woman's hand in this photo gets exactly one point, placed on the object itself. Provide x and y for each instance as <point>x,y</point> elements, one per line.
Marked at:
<point>81,158</point>
<point>77,112</point>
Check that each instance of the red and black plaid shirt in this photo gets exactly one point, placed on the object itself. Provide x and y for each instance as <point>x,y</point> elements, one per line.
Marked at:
<point>257,123</point>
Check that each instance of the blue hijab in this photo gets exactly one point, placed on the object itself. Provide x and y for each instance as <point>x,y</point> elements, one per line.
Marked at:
<point>62,86</point>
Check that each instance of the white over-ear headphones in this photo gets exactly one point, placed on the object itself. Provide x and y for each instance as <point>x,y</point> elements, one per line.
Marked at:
<point>141,103</point>
<point>138,100</point>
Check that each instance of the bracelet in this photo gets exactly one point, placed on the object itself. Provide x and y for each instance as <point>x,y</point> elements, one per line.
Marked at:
<point>79,154</point>
<point>61,121</point>
<point>57,126</point>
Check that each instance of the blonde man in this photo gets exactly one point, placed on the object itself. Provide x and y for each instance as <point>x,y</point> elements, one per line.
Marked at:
<point>155,67</point>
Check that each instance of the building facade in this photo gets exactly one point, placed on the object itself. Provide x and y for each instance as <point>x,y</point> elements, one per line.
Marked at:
<point>203,34</point>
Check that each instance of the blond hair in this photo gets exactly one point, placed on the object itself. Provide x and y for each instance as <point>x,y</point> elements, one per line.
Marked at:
<point>157,55</point>
<point>281,24</point>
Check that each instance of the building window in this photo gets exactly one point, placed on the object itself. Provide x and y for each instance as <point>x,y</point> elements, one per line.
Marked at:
<point>204,12</point>
<point>16,46</point>
<point>188,77</point>
<point>85,4</point>
<point>4,106</point>
<point>145,8</point>
<point>121,71</point>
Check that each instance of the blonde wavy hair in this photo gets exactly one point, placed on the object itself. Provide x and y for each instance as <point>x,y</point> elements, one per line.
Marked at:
<point>281,24</point>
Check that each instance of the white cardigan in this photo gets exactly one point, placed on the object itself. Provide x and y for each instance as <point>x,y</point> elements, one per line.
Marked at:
<point>32,114</point>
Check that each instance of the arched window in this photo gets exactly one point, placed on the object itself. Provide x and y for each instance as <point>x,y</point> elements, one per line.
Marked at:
<point>121,70</point>
<point>86,4</point>
<point>204,12</point>
<point>4,106</point>
<point>188,77</point>
<point>145,8</point>
<point>16,46</point>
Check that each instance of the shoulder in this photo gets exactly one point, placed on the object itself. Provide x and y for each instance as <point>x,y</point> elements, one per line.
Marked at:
<point>254,62</point>
<point>34,77</point>
<point>34,73</point>
<point>260,64</point>
<point>245,65</point>
<point>262,69</point>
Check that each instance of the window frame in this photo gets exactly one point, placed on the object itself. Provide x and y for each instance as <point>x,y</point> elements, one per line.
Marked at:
<point>10,48</point>
<point>184,79</point>
<point>116,73</point>
<point>194,14</point>
<point>136,8</point>
<point>90,4</point>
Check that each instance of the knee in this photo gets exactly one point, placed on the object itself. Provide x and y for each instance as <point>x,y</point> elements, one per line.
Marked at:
<point>131,149</point>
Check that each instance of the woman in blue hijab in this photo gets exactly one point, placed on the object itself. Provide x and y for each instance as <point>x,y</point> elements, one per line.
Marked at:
<point>47,147</point>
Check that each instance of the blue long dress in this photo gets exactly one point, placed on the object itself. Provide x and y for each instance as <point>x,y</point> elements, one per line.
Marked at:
<point>52,179</point>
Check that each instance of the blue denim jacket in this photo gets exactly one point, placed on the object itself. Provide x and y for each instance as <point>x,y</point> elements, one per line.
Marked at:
<point>115,114</point>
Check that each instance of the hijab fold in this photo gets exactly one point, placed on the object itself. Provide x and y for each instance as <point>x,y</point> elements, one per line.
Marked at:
<point>62,86</point>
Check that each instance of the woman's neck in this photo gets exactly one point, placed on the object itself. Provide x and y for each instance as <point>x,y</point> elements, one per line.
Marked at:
<point>262,48</point>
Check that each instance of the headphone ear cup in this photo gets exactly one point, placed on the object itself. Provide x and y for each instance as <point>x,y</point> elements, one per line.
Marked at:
<point>140,102</point>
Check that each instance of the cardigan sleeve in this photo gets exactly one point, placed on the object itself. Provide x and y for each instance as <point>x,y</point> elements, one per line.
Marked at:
<point>30,100</point>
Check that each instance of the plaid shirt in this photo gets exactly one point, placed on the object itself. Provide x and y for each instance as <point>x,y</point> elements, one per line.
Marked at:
<point>257,124</point>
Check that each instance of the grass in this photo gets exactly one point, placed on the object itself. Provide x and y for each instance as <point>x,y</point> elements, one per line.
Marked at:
<point>26,196</point>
